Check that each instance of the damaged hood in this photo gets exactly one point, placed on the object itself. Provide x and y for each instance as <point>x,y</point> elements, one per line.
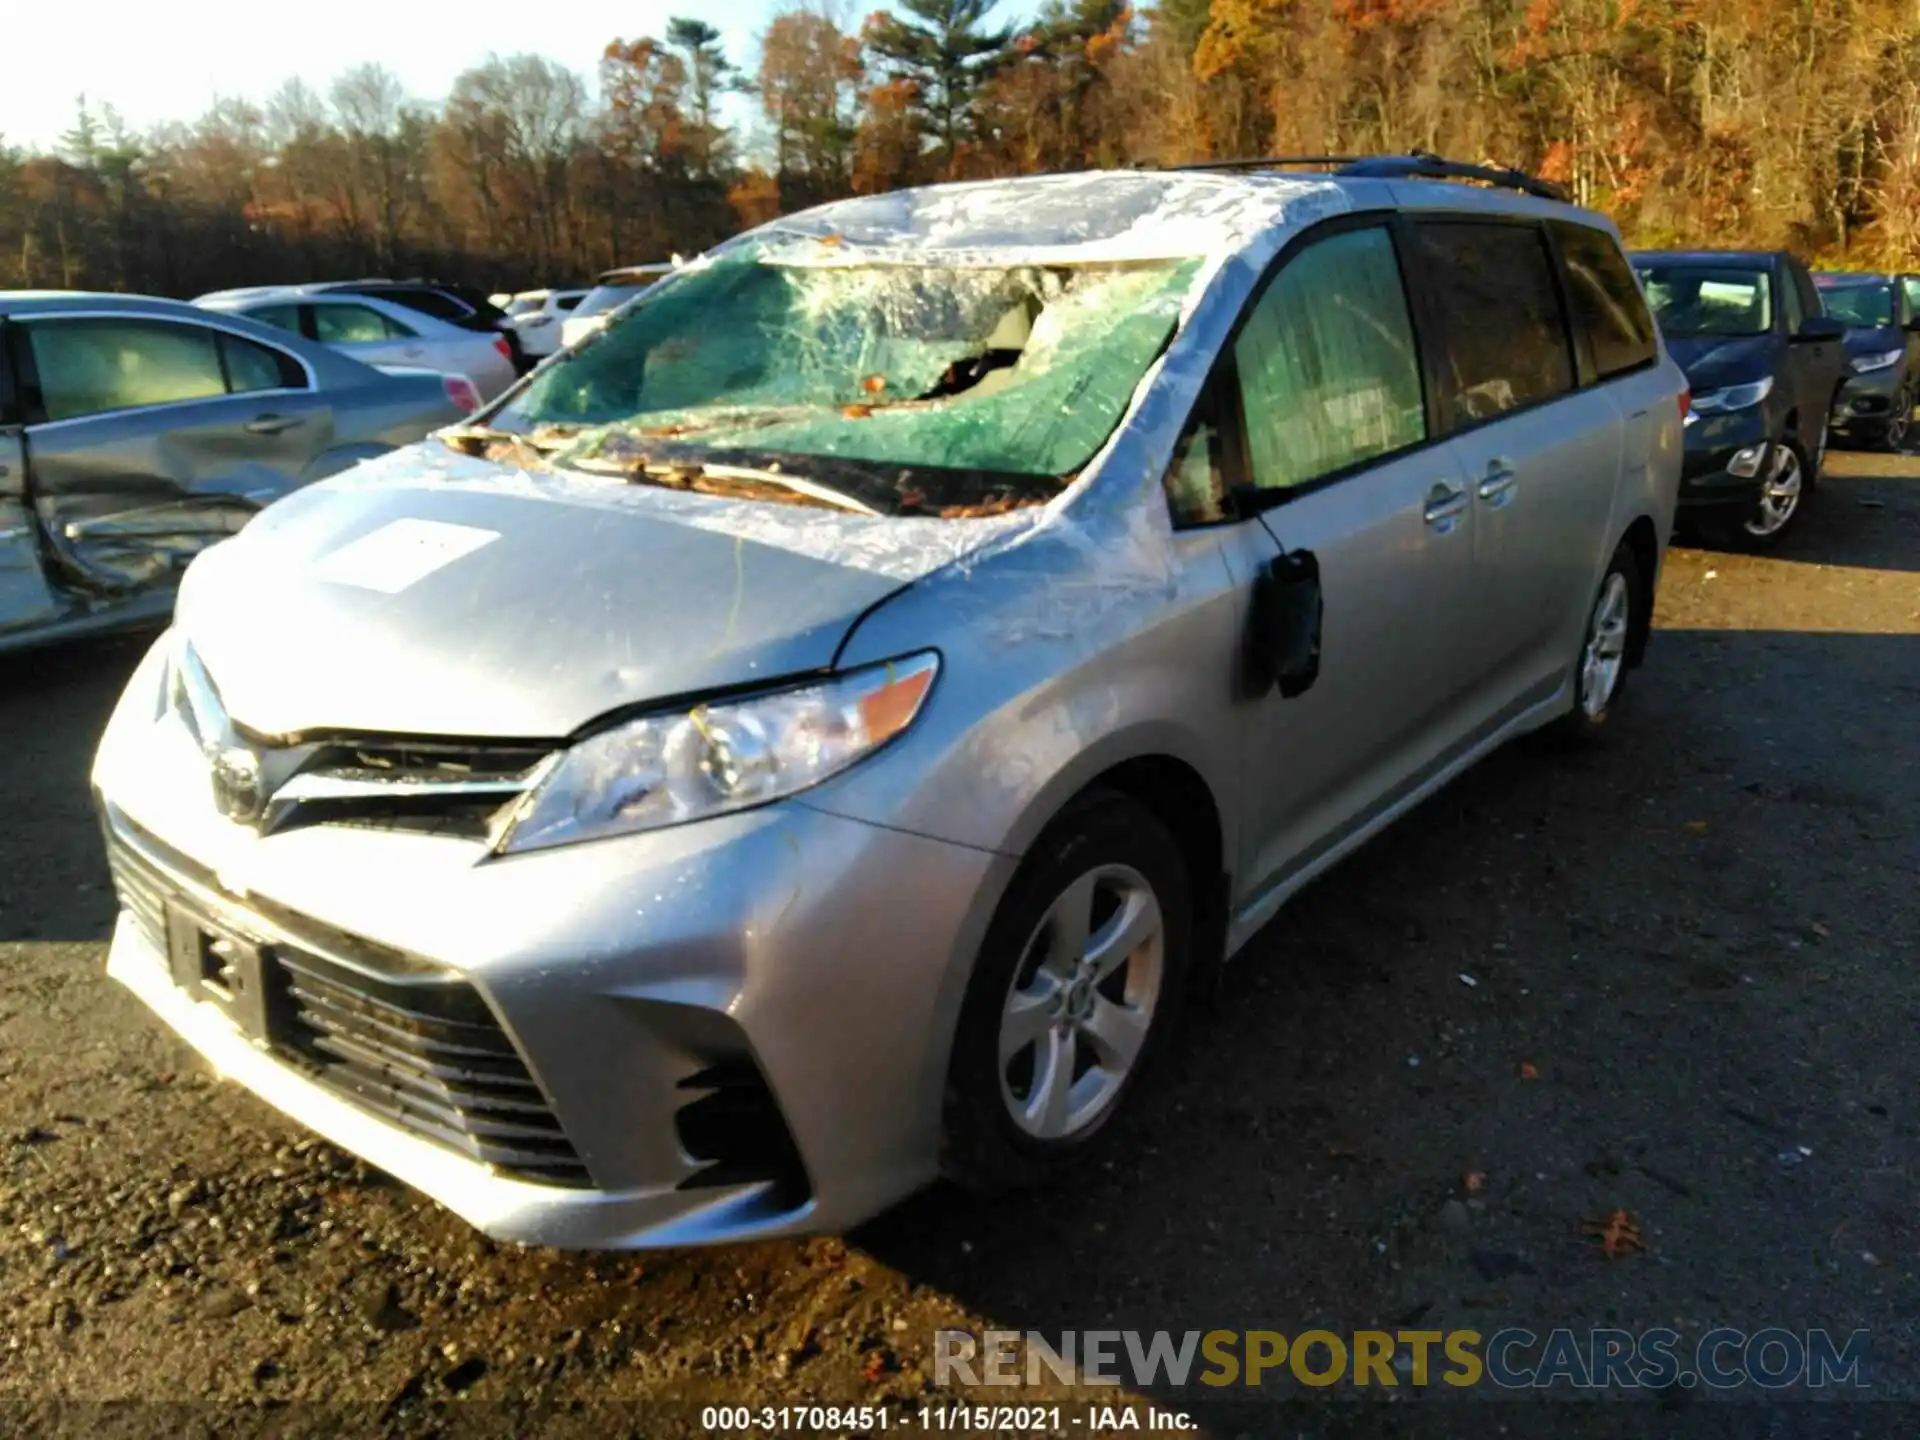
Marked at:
<point>435,595</point>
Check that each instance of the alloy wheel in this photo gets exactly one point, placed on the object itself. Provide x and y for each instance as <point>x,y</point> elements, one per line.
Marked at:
<point>1606,649</point>
<point>1780,495</point>
<point>1081,1003</point>
<point>1900,422</point>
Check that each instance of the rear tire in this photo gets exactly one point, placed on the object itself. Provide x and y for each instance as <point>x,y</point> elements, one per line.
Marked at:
<point>1600,666</point>
<point>1077,986</point>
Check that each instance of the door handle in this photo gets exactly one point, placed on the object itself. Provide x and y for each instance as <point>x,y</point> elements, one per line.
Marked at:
<point>1497,487</point>
<point>413,352</point>
<point>270,424</point>
<point>1444,504</point>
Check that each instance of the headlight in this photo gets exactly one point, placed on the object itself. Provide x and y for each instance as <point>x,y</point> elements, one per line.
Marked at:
<point>1733,397</point>
<point>1882,361</point>
<point>668,768</point>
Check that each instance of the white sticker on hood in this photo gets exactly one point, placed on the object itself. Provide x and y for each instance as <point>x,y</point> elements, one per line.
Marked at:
<point>400,553</point>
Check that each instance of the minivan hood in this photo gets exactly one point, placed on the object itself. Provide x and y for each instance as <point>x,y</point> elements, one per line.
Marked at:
<point>1713,362</point>
<point>431,594</point>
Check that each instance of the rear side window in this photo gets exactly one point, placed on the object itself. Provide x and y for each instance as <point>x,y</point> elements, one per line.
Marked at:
<point>430,302</point>
<point>1506,341</point>
<point>1607,302</point>
<point>259,367</point>
<point>281,317</point>
<point>567,302</point>
<point>91,366</point>
<point>1329,373</point>
<point>1797,308</point>
<point>335,323</point>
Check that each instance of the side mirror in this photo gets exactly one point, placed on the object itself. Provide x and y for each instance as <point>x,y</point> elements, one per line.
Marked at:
<point>1283,627</point>
<point>1820,327</point>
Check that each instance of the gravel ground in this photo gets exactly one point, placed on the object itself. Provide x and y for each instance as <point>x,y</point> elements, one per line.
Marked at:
<point>1674,975</point>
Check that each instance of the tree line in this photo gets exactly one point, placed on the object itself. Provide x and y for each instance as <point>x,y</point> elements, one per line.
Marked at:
<point>1760,122</point>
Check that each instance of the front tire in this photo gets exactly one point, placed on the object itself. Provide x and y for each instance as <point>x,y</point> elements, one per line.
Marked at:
<point>1899,421</point>
<point>1077,986</point>
<point>1783,495</point>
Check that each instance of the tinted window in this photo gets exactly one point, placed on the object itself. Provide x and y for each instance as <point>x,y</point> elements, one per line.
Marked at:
<point>281,317</point>
<point>1500,304</point>
<point>1329,374</point>
<point>260,367</point>
<point>85,367</point>
<point>337,323</point>
<point>567,302</point>
<point>1692,301</point>
<point>429,302</point>
<point>1607,302</point>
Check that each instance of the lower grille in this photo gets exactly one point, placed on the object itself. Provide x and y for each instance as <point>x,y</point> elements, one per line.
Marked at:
<point>737,1133</point>
<point>417,1045</point>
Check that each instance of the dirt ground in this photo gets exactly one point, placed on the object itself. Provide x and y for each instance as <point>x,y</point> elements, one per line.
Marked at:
<point>1674,975</point>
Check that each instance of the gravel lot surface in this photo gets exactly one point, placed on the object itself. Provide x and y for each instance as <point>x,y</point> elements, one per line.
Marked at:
<point>1674,975</point>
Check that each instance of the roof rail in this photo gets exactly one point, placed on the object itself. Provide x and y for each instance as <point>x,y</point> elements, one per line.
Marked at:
<point>1420,165</point>
<point>1273,162</point>
<point>1415,165</point>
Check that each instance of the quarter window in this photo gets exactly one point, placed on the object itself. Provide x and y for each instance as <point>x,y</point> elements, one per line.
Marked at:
<point>1500,306</point>
<point>89,366</point>
<point>1607,302</point>
<point>259,367</point>
<point>1329,373</point>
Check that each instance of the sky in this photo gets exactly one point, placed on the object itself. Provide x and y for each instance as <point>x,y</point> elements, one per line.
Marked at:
<point>158,62</point>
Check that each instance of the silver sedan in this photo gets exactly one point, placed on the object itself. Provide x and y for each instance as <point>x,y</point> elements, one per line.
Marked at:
<point>376,332</point>
<point>136,432</point>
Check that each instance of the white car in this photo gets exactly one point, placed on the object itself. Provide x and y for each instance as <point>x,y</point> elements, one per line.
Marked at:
<point>539,315</point>
<point>612,290</point>
<point>376,332</point>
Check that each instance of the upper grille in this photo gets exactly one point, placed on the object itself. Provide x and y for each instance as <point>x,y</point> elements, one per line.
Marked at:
<point>398,1036</point>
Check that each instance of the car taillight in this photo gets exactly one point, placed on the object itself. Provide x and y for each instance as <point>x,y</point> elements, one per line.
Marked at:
<point>506,350</point>
<point>462,392</point>
<point>1686,403</point>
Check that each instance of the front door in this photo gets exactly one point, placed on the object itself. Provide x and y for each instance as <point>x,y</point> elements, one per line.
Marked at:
<point>149,439</point>
<point>1327,439</point>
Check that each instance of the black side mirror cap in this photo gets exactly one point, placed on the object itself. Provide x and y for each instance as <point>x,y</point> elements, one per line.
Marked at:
<point>1283,627</point>
<point>1820,327</point>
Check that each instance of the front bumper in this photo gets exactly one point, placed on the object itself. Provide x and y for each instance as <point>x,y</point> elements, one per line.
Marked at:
<point>820,958</point>
<point>1865,402</point>
<point>1713,444</point>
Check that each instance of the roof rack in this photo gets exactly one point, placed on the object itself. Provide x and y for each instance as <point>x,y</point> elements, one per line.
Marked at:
<point>1415,165</point>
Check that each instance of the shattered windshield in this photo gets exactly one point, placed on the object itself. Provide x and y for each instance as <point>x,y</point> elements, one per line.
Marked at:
<point>916,386</point>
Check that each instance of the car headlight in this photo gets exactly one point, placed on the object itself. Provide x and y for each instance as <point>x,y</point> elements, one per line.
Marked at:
<point>1732,397</point>
<point>669,768</point>
<point>1883,360</point>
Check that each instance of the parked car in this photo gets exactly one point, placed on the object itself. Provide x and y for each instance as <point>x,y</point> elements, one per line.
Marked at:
<point>882,671</point>
<point>1766,364</point>
<point>537,316</point>
<point>376,332</point>
<point>1883,354</point>
<point>613,289</point>
<point>463,305</point>
<point>136,432</point>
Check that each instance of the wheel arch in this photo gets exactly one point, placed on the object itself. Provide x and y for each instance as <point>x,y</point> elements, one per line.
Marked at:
<point>1643,540</point>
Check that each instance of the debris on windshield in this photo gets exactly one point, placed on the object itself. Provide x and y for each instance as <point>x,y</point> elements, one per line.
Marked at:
<point>533,449</point>
<point>935,374</point>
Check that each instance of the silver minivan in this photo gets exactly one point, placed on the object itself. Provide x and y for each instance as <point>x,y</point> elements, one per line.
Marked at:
<point>807,738</point>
